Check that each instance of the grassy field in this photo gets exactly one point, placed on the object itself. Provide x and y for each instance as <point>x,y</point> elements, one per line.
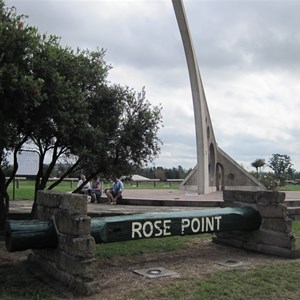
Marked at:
<point>296,232</point>
<point>291,187</point>
<point>25,188</point>
<point>279,280</point>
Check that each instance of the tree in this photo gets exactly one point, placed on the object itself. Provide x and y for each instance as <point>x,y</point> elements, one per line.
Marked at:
<point>64,107</point>
<point>60,124</point>
<point>17,91</point>
<point>127,130</point>
<point>135,141</point>
<point>258,164</point>
<point>160,174</point>
<point>280,164</point>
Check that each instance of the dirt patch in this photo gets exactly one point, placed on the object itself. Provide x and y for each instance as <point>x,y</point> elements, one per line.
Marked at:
<point>199,260</point>
<point>116,279</point>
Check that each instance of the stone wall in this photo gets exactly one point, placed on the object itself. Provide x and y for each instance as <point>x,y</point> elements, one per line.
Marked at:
<point>275,234</point>
<point>73,260</point>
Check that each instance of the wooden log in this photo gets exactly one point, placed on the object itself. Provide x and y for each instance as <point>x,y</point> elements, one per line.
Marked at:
<point>22,235</point>
<point>154,225</point>
<point>30,234</point>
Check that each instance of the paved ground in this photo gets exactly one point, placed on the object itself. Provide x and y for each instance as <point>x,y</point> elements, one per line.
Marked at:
<point>194,200</point>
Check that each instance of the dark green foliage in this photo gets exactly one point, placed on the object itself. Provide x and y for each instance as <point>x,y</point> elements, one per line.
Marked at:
<point>258,164</point>
<point>166,173</point>
<point>281,165</point>
<point>58,101</point>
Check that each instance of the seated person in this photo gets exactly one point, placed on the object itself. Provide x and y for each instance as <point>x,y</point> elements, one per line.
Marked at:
<point>96,189</point>
<point>85,189</point>
<point>115,192</point>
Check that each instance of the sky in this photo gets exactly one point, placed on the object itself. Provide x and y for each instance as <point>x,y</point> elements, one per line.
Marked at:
<point>248,54</point>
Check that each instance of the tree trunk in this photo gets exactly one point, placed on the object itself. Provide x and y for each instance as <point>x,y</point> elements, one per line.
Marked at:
<point>4,200</point>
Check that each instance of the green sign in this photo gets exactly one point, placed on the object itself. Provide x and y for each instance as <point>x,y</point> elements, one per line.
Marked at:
<point>32,234</point>
<point>155,225</point>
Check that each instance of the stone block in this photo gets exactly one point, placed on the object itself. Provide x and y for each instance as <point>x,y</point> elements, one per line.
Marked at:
<point>233,235</point>
<point>42,212</point>
<point>272,211</point>
<point>74,203</point>
<point>80,286</point>
<point>47,253</point>
<point>240,196</point>
<point>269,249</point>
<point>49,198</point>
<point>277,224</point>
<point>73,224</point>
<point>270,198</point>
<point>45,213</point>
<point>74,265</point>
<point>78,246</point>
<point>274,238</point>
<point>259,197</point>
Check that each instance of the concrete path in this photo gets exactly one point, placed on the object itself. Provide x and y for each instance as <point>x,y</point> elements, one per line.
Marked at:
<point>161,200</point>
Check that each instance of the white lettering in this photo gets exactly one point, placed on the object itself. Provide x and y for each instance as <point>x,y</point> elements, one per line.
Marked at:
<point>197,227</point>
<point>210,224</point>
<point>185,223</point>
<point>202,224</point>
<point>150,232</point>
<point>136,229</point>
<point>167,226</point>
<point>157,225</point>
<point>149,229</point>
<point>218,222</point>
<point>159,228</point>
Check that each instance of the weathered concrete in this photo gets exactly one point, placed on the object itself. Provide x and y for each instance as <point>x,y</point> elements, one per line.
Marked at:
<point>72,261</point>
<point>215,170</point>
<point>275,235</point>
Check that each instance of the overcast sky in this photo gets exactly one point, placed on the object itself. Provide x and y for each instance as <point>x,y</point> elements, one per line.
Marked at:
<point>249,60</point>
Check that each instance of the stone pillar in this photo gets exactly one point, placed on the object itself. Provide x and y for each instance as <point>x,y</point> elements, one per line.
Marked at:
<point>275,235</point>
<point>73,260</point>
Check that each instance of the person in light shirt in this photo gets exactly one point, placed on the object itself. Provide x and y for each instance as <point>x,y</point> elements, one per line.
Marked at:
<point>85,189</point>
<point>115,192</point>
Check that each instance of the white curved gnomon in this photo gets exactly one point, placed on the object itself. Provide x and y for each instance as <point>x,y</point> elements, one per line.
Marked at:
<point>215,170</point>
<point>201,114</point>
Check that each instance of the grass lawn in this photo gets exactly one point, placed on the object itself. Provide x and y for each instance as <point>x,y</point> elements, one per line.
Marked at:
<point>25,189</point>
<point>276,281</point>
<point>296,232</point>
<point>290,187</point>
<point>280,281</point>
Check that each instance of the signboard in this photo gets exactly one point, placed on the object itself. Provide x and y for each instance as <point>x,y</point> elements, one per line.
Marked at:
<point>154,225</point>
<point>28,162</point>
